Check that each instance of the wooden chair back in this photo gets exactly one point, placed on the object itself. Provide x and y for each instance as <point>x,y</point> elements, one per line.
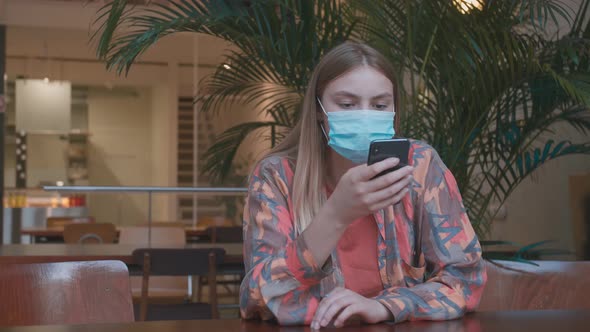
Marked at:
<point>225,234</point>
<point>161,236</point>
<point>90,233</point>
<point>65,293</point>
<point>179,262</point>
<point>551,285</point>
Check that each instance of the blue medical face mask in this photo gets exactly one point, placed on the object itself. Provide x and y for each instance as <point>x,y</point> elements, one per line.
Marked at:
<point>351,132</point>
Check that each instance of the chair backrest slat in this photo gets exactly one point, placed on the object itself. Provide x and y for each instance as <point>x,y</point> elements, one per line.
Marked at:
<point>178,262</point>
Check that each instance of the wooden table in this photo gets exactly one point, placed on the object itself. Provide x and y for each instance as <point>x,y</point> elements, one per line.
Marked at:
<point>58,232</point>
<point>537,321</point>
<point>46,253</point>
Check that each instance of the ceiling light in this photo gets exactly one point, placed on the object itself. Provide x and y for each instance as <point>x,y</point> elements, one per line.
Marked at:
<point>466,6</point>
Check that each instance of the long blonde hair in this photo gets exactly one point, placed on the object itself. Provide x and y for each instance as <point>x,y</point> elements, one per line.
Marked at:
<point>306,143</point>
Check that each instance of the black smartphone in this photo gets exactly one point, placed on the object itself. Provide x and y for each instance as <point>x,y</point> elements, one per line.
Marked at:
<point>382,149</point>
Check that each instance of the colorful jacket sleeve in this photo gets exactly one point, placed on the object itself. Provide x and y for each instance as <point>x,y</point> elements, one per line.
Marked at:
<point>282,278</point>
<point>455,271</point>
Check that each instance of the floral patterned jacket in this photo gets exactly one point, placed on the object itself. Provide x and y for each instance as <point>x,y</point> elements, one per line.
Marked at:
<point>429,256</point>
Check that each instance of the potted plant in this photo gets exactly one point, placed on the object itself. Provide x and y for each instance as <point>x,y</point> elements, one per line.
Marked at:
<point>482,83</point>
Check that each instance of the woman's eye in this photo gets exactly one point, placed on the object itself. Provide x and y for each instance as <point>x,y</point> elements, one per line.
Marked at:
<point>380,106</point>
<point>346,105</point>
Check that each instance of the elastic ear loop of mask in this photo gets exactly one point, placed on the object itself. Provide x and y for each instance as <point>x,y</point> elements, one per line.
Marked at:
<point>321,123</point>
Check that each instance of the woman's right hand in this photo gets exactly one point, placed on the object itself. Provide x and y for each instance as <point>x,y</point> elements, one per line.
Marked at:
<point>357,194</point>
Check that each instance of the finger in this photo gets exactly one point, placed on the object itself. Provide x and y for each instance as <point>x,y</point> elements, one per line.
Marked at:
<point>370,171</point>
<point>336,307</point>
<point>390,201</point>
<point>388,179</point>
<point>346,314</point>
<point>397,198</point>
<point>325,304</point>
<point>327,301</point>
<point>390,191</point>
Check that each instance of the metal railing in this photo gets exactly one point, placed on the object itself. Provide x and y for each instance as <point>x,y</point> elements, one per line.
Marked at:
<point>150,191</point>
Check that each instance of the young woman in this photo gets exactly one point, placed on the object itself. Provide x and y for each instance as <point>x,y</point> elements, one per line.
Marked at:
<point>326,242</point>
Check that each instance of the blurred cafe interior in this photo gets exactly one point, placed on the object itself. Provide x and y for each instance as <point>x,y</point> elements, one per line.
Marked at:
<point>136,143</point>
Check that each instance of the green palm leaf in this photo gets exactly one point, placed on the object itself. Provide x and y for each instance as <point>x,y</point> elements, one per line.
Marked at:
<point>220,155</point>
<point>486,96</point>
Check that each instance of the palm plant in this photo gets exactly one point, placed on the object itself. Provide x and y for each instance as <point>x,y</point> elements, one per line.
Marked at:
<point>277,45</point>
<point>484,88</point>
<point>487,89</point>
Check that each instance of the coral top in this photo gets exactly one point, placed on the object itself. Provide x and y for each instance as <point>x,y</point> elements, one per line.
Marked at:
<point>357,254</point>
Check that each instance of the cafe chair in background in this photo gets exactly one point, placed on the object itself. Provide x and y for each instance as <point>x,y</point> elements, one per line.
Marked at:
<point>178,262</point>
<point>235,272</point>
<point>163,289</point>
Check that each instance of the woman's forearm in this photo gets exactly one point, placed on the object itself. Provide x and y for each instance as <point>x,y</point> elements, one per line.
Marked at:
<point>322,235</point>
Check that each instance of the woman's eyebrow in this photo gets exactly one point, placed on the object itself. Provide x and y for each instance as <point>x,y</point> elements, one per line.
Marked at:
<point>383,95</point>
<point>345,94</point>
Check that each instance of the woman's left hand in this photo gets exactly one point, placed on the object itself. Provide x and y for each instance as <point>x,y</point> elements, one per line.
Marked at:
<point>342,304</point>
